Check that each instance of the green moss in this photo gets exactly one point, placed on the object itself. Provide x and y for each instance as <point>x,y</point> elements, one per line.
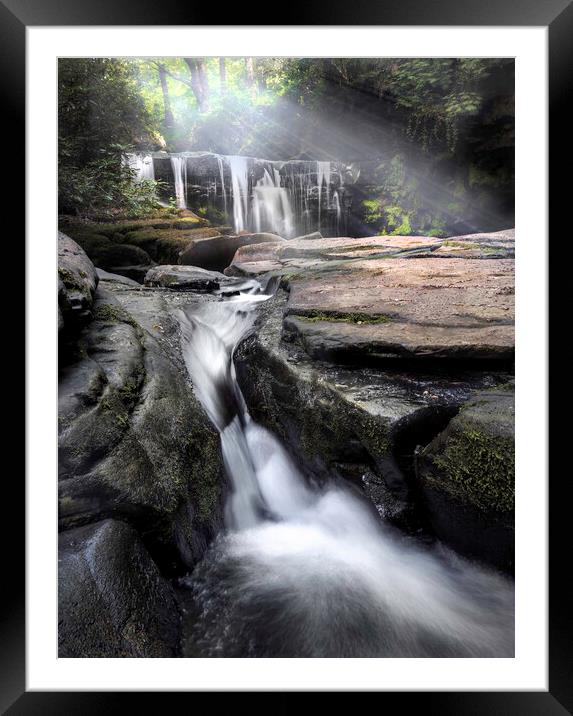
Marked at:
<point>204,455</point>
<point>70,280</point>
<point>122,420</point>
<point>465,245</point>
<point>340,317</point>
<point>480,466</point>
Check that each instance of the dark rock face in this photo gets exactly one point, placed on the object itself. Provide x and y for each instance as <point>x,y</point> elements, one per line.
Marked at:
<point>134,442</point>
<point>467,477</point>
<point>113,602</point>
<point>215,254</point>
<point>77,283</point>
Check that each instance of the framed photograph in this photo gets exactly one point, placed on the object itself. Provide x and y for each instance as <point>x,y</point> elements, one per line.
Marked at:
<point>287,405</point>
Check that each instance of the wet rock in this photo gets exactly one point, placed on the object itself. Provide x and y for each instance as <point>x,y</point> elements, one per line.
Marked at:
<point>113,601</point>
<point>77,283</point>
<point>133,440</point>
<point>188,278</point>
<point>347,422</point>
<point>467,477</point>
<point>116,278</point>
<point>216,253</point>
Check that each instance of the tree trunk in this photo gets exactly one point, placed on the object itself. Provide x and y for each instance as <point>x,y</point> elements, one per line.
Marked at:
<point>199,82</point>
<point>250,71</point>
<point>222,75</point>
<point>168,119</point>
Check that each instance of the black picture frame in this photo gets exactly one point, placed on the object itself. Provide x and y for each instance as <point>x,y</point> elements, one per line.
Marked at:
<point>557,15</point>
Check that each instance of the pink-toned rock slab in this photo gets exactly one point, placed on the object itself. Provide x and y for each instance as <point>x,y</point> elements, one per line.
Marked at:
<point>418,307</point>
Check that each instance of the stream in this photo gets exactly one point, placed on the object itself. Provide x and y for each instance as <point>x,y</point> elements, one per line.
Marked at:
<point>311,571</point>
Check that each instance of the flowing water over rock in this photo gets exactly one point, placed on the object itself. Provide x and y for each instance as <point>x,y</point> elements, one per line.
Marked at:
<point>290,198</point>
<point>308,571</point>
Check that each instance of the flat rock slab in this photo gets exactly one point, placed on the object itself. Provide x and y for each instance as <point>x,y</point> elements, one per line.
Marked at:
<point>414,307</point>
<point>307,253</point>
<point>500,244</point>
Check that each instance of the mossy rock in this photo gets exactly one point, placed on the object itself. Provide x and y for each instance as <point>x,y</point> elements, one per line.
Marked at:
<point>473,459</point>
<point>92,244</point>
<point>117,255</point>
<point>164,245</point>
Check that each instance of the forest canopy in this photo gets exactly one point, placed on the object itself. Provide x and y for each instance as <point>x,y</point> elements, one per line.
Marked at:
<point>408,121</point>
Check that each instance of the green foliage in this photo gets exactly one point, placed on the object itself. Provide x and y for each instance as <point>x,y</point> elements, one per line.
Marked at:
<point>104,187</point>
<point>101,116</point>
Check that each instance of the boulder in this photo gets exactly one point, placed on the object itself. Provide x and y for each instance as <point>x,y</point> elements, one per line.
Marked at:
<point>134,442</point>
<point>188,278</point>
<point>77,283</point>
<point>467,477</point>
<point>118,255</point>
<point>116,278</point>
<point>165,245</point>
<point>112,600</point>
<point>216,253</point>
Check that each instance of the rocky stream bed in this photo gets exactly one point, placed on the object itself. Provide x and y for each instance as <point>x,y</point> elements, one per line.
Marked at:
<point>382,363</point>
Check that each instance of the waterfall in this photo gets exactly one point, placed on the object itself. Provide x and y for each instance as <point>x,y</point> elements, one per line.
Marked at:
<point>288,198</point>
<point>179,166</point>
<point>272,210</point>
<point>222,176</point>
<point>142,164</point>
<point>338,209</point>
<point>303,571</point>
<point>239,167</point>
<point>322,177</point>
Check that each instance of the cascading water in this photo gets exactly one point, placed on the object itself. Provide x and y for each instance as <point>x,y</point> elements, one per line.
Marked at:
<point>179,166</point>
<point>311,572</point>
<point>272,210</point>
<point>288,198</point>
<point>239,167</point>
<point>322,177</point>
<point>222,176</point>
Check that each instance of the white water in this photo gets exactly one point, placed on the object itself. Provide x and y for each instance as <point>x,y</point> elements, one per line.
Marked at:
<point>179,166</point>
<point>303,571</point>
<point>142,164</point>
<point>239,167</point>
<point>222,176</point>
<point>323,177</point>
<point>288,202</point>
<point>272,210</point>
